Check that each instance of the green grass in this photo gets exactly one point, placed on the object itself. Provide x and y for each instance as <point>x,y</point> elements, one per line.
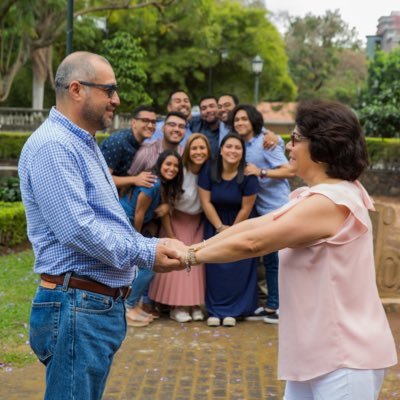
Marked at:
<point>18,284</point>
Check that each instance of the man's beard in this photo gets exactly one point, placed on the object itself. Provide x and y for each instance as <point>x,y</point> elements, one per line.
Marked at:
<point>95,118</point>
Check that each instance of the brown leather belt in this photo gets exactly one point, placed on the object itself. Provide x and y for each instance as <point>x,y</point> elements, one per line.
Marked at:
<point>91,286</point>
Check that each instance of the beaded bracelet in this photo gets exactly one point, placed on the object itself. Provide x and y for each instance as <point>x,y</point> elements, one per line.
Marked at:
<point>190,258</point>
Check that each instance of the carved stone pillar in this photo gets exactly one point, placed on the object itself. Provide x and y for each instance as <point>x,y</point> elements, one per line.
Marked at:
<point>386,227</point>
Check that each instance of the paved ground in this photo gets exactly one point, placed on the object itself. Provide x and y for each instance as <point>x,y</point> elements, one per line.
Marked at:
<point>171,361</point>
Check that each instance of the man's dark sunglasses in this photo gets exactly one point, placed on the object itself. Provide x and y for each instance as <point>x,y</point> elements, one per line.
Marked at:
<point>110,89</point>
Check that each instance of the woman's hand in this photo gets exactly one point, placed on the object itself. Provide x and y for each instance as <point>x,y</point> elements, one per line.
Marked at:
<point>179,247</point>
<point>161,210</point>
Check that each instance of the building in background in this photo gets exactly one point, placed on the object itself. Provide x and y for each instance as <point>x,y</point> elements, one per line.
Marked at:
<point>278,116</point>
<point>387,35</point>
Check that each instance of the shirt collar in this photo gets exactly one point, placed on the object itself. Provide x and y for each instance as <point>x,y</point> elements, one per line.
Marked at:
<point>61,119</point>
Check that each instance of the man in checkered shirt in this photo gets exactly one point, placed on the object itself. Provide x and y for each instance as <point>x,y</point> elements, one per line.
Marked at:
<point>85,247</point>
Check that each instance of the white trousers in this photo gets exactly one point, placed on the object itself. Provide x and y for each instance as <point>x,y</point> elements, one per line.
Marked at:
<point>342,384</point>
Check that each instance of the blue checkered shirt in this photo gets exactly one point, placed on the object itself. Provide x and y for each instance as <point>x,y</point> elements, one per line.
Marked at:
<point>75,220</point>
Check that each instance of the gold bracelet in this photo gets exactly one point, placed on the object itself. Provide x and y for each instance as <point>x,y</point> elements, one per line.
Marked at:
<point>200,246</point>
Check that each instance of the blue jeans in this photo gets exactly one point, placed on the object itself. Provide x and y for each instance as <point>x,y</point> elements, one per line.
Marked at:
<point>75,334</point>
<point>140,287</point>
<point>271,264</point>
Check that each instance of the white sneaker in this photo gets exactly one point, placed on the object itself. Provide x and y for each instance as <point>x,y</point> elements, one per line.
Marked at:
<point>197,314</point>
<point>229,321</point>
<point>179,314</point>
<point>213,321</point>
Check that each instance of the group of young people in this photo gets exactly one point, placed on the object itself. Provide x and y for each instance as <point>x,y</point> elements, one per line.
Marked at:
<point>195,192</point>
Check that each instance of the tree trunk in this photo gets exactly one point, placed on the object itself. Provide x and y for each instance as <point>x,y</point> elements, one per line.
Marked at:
<point>41,68</point>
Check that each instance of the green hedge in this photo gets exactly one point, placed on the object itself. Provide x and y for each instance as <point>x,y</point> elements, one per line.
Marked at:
<point>384,153</point>
<point>11,144</point>
<point>12,224</point>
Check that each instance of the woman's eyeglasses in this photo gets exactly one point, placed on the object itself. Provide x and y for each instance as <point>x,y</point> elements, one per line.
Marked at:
<point>296,137</point>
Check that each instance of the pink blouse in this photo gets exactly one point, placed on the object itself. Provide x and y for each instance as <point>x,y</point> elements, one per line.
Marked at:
<point>331,315</point>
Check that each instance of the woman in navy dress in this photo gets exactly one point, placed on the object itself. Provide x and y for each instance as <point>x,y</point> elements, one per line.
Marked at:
<point>227,197</point>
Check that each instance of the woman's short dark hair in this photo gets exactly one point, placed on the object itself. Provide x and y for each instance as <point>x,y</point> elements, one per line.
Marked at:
<point>336,137</point>
<point>255,117</point>
<point>217,166</point>
<point>170,190</point>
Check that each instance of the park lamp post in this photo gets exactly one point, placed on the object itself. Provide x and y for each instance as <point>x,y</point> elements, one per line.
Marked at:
<point>257,64</point>
<point>70,26</point>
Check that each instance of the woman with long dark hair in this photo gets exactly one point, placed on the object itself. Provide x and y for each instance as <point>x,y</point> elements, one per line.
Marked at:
<point>140,204</point>
<point>183,290</point>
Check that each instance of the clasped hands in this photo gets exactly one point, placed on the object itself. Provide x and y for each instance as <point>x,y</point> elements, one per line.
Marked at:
<point>170,255</point>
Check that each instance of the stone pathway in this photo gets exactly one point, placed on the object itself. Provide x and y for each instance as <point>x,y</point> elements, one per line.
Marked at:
<point>171,361</point>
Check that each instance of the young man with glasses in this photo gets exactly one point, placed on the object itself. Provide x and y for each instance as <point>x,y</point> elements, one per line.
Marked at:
<point>86,251</point>
<point>178,101</point>
<point>173,133</point>
<point>120,148</point>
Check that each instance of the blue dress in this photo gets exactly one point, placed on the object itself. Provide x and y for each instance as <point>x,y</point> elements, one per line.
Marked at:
<point>231,288</point>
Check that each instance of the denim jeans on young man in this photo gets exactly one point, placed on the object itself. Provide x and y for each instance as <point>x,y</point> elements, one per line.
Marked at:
<point>140,287</point>
<point>271,264</point>
<point>76,333</point>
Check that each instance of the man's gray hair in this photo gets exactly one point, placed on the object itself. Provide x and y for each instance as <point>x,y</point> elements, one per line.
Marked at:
<point>76,66</point>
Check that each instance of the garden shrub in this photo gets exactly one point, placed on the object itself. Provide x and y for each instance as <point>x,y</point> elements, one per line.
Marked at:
<point>9,189</point>
<point>12,224</point>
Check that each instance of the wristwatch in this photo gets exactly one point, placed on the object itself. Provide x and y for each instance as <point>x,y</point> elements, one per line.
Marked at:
<point>263,173</point>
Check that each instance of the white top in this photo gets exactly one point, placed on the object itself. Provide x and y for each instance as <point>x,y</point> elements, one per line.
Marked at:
<point>189,201</point>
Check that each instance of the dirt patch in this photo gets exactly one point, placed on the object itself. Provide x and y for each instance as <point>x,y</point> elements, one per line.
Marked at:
<point>5,250</point>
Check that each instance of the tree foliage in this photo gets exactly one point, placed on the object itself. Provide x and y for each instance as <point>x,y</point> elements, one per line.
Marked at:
<point>29,25</point>
<point>201,46</point>
<point>198,41</point>
<point>128,70</point>
<point>314,45</point>
<point>348,78</point>
<point>380,100</point>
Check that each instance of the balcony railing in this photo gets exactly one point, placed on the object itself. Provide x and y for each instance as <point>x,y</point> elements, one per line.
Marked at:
<point>27,119</point>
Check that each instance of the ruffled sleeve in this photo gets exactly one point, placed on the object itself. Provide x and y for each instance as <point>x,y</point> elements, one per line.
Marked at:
<point>348,194</point>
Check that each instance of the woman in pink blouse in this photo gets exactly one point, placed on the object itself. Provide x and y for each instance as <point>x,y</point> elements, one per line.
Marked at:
<point>334,338</point>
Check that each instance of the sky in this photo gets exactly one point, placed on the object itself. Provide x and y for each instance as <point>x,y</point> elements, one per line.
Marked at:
<point>362,15</point>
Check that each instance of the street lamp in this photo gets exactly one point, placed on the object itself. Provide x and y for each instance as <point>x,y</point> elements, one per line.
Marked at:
<point>70,26</point>
<point>223,53</point>
<point>257,66</point>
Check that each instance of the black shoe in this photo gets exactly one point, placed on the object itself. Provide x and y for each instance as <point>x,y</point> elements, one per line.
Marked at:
<point>272,317</point>
<point>258,315</point>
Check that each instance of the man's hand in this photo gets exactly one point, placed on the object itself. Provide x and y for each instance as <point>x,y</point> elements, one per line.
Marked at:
<point>169,255</point>
<point>161,210</point>
<point>251,169</point>
<point>145,179</point>
<point>270,140</point>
